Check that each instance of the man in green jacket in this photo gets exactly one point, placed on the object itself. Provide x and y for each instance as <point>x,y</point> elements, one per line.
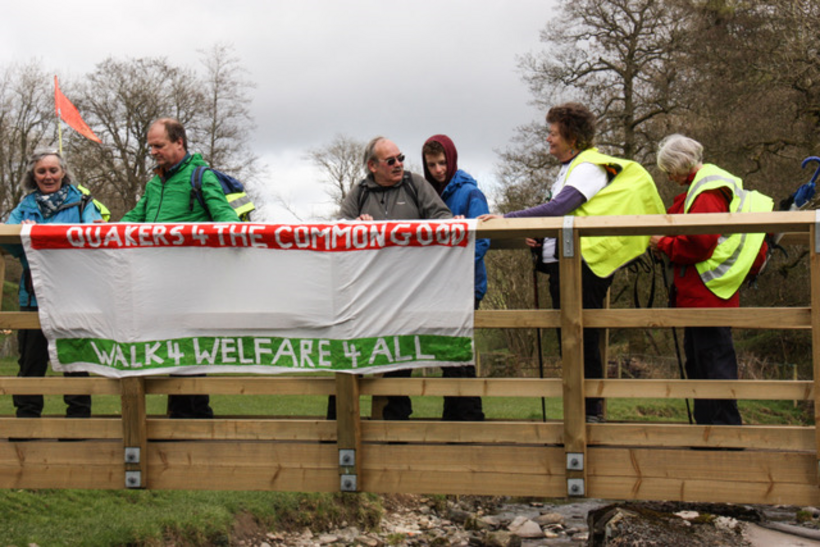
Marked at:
<point>168,198</point>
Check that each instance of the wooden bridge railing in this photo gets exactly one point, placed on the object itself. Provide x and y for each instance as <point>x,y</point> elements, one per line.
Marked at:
<point>616,460</point>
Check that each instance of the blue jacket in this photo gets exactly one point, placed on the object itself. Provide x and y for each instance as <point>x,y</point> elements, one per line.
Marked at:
<point>29,210</point>
<point>463,197</point>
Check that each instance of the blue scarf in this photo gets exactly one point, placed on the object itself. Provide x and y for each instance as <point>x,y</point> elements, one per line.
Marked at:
<point>50,204</point>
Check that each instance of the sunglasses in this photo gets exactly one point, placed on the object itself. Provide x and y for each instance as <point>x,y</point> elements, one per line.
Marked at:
<point>392,161</point>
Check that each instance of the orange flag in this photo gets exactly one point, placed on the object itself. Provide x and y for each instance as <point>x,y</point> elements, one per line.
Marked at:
<point>70,115</point>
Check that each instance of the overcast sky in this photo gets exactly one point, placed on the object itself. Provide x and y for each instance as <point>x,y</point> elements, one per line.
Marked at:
<point>399,68</point>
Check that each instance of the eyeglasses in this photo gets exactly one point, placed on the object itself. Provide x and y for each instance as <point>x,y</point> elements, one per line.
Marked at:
<point>392,161</point>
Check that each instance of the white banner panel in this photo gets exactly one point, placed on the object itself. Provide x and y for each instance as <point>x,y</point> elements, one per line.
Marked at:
<point>140,299</point>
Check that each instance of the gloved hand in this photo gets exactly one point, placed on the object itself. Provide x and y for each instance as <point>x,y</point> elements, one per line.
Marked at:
<point>804,194</point>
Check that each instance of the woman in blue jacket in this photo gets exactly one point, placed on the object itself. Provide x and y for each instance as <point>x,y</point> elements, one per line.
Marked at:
<point>52,200</point>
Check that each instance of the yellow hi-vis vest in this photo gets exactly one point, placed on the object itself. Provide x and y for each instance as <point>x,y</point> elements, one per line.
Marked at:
<point>630,191</point>
<point>735,254</point>
<point>104,212</point>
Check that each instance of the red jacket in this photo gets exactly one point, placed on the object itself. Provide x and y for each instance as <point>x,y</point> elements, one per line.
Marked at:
<point>684,251</point>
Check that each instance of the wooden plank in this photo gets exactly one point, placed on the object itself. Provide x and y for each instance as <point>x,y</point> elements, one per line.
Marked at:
<point>52,464</point>
<point>767,467</point>
<point>243,466</point>
<point>242,429</point>
<point>61,427</point>
<point>423,458</point>
<point>480,387</point>
<point>511,470</point>
<point>522,433</point>
<point>572,352</point>
<point>469,484</point>
<point>769,390</point>
<point>240,385</point>
<point>517,319</point>
<point>814,277</point>
<point>42,453</point>
<point>57,385</point>
<point>782,438</point>
<point>774,222</point>
<point>702,491</point>
<point>19,319</point>
<point>745,318</point>
<point>349,430</point>
<point>134,436</point>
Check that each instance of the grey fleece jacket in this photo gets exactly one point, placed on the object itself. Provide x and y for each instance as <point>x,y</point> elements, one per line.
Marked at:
<point>413,198</point>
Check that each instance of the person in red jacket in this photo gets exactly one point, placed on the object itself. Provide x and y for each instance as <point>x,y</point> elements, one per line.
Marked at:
<point>710,352</point>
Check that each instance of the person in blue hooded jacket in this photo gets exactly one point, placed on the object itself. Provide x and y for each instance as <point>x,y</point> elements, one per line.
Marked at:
<point>460,193</point>
<point>52,200</point>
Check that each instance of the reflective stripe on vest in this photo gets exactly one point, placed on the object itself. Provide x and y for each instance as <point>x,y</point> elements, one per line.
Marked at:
<point>241,203</point>
<point>734,255</point>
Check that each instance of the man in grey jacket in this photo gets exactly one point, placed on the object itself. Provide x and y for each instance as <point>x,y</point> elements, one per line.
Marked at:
<point>390,193</point>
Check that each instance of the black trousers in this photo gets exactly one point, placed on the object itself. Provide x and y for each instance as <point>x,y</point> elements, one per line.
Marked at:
<point>462,409</point>
<point>33,362</point>
<point>710,355</point>
<point>189,406</point>
<point>398,407</point>
<point>594,291</point>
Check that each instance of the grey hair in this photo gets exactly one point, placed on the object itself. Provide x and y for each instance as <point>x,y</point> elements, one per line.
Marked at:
<point>370,150</point>
<point>678,154</point>
<point>28,179</point>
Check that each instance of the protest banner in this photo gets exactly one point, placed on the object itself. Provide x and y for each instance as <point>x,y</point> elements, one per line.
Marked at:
<point>139,299</point>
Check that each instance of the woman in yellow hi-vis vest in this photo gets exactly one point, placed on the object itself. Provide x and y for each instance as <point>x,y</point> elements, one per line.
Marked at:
<point>709,268</point>
<point>590,183</point>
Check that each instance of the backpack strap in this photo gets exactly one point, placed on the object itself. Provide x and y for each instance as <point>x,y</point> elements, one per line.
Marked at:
<point>196,188</point>
<point>407,181</point>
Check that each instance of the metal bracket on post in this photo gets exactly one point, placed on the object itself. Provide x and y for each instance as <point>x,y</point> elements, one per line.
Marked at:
<point>347,463</point>
<point>348,483</point>
<point>575,487</point>
<point>575,461</point>
<point>132,454</point>
<point>817,231</point>
<point>347,457</point>
<point>133,479</point>
<point>567,237</point>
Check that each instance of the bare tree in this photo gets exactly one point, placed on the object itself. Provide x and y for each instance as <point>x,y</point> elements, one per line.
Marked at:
<point>616,57</point>
<point>120,101</point>
<point>340,161</point>
<point>225,130</point>
<point>27,122</point>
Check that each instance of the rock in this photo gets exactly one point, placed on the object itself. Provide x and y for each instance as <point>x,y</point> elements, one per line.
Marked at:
<point>525,528</point>
<point>687,515</point>
<point>264,544</point>
<point>326,539</point>
<point>726,523</point>
<point>458,515</point>
<point>501,539</point>
<point>367,541</point>
<point>492,522</point>
<point>550,518</point>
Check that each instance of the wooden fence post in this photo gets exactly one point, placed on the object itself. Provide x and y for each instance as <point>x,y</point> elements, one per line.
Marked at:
<point>134,433</point>
<point>349,431</point>
<point>572,359</point>
<point>814,277</point>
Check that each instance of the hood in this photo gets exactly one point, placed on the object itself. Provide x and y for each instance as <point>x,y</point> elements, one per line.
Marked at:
<point>450,154</point>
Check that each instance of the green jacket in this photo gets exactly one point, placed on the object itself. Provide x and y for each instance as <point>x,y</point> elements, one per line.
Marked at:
<point>169,199</point>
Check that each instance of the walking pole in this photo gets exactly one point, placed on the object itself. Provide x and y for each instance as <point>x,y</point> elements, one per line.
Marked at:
<point>538,332</point>
<point>675,338</point>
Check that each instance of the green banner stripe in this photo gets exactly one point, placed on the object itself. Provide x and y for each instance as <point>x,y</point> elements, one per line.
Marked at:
<point>293,353</point>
